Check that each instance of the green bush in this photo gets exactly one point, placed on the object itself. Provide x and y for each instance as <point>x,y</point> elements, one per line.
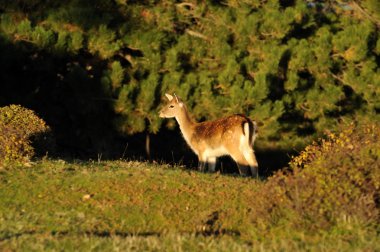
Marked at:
<point>329,182</point>
<point>18,128</point>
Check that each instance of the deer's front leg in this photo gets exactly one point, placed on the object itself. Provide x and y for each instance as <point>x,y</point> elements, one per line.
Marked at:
<point>211,162</point>
<point>202,162</point>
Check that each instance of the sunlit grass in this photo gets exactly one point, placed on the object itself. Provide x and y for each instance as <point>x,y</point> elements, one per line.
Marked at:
<point>55,205</point>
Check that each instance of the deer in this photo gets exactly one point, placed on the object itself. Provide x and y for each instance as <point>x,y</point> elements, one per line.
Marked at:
<point>232,136</point>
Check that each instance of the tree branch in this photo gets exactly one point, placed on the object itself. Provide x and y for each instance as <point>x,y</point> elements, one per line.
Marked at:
<point>197,34</point>
<point>357,7</point>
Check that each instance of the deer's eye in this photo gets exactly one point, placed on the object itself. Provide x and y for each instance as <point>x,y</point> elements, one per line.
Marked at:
<point>171,106</point>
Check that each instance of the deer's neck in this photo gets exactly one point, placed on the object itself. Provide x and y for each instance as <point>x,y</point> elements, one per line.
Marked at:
<point>186,125</point>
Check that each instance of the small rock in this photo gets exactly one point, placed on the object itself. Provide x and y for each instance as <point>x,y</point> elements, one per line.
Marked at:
<point>86,197</point>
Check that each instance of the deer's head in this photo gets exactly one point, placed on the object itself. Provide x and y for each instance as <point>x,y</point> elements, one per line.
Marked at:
<point>172,108</point>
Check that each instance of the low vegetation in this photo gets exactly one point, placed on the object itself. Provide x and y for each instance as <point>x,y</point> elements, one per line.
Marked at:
<point>20,126</point>
<point>335,180</point>
<point>328,200</point>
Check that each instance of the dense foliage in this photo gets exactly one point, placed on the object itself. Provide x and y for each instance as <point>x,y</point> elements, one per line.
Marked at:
<point>332,182</point>
<point>98,69</point>
<point>18,128</point>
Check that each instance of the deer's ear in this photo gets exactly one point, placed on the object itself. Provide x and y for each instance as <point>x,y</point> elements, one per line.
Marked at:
<point>170,97</point>
<point>178,100</point>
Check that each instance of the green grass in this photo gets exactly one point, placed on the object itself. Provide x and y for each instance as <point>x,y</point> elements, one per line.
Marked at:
<point>108,206</point>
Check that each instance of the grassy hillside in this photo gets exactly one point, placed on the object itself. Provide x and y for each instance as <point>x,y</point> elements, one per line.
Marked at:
<point>55,205</point>
<point>327,200</point>
<point>121,204</point>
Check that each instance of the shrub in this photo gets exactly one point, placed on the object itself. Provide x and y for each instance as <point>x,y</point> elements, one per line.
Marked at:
<point>330,181</point>
<point>18,128</point>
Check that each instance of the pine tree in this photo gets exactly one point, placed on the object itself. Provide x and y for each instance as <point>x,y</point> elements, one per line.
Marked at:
<point>296,66</point>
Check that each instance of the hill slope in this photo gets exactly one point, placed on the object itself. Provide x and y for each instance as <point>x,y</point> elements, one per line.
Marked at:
<point>55,205</point>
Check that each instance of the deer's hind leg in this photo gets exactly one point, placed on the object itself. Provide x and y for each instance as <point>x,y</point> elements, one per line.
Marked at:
<point>246,150</point>
<point>252,162</point>
<point>242,163</point>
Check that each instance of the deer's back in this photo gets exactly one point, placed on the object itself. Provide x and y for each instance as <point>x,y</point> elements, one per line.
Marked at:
<point>224,130</point>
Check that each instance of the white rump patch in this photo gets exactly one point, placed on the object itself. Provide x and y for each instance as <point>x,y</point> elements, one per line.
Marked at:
<point>243,144</point>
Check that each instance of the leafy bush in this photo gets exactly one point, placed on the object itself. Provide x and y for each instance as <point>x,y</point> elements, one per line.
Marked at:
<point>18,128</point>
<point>334,180</point>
